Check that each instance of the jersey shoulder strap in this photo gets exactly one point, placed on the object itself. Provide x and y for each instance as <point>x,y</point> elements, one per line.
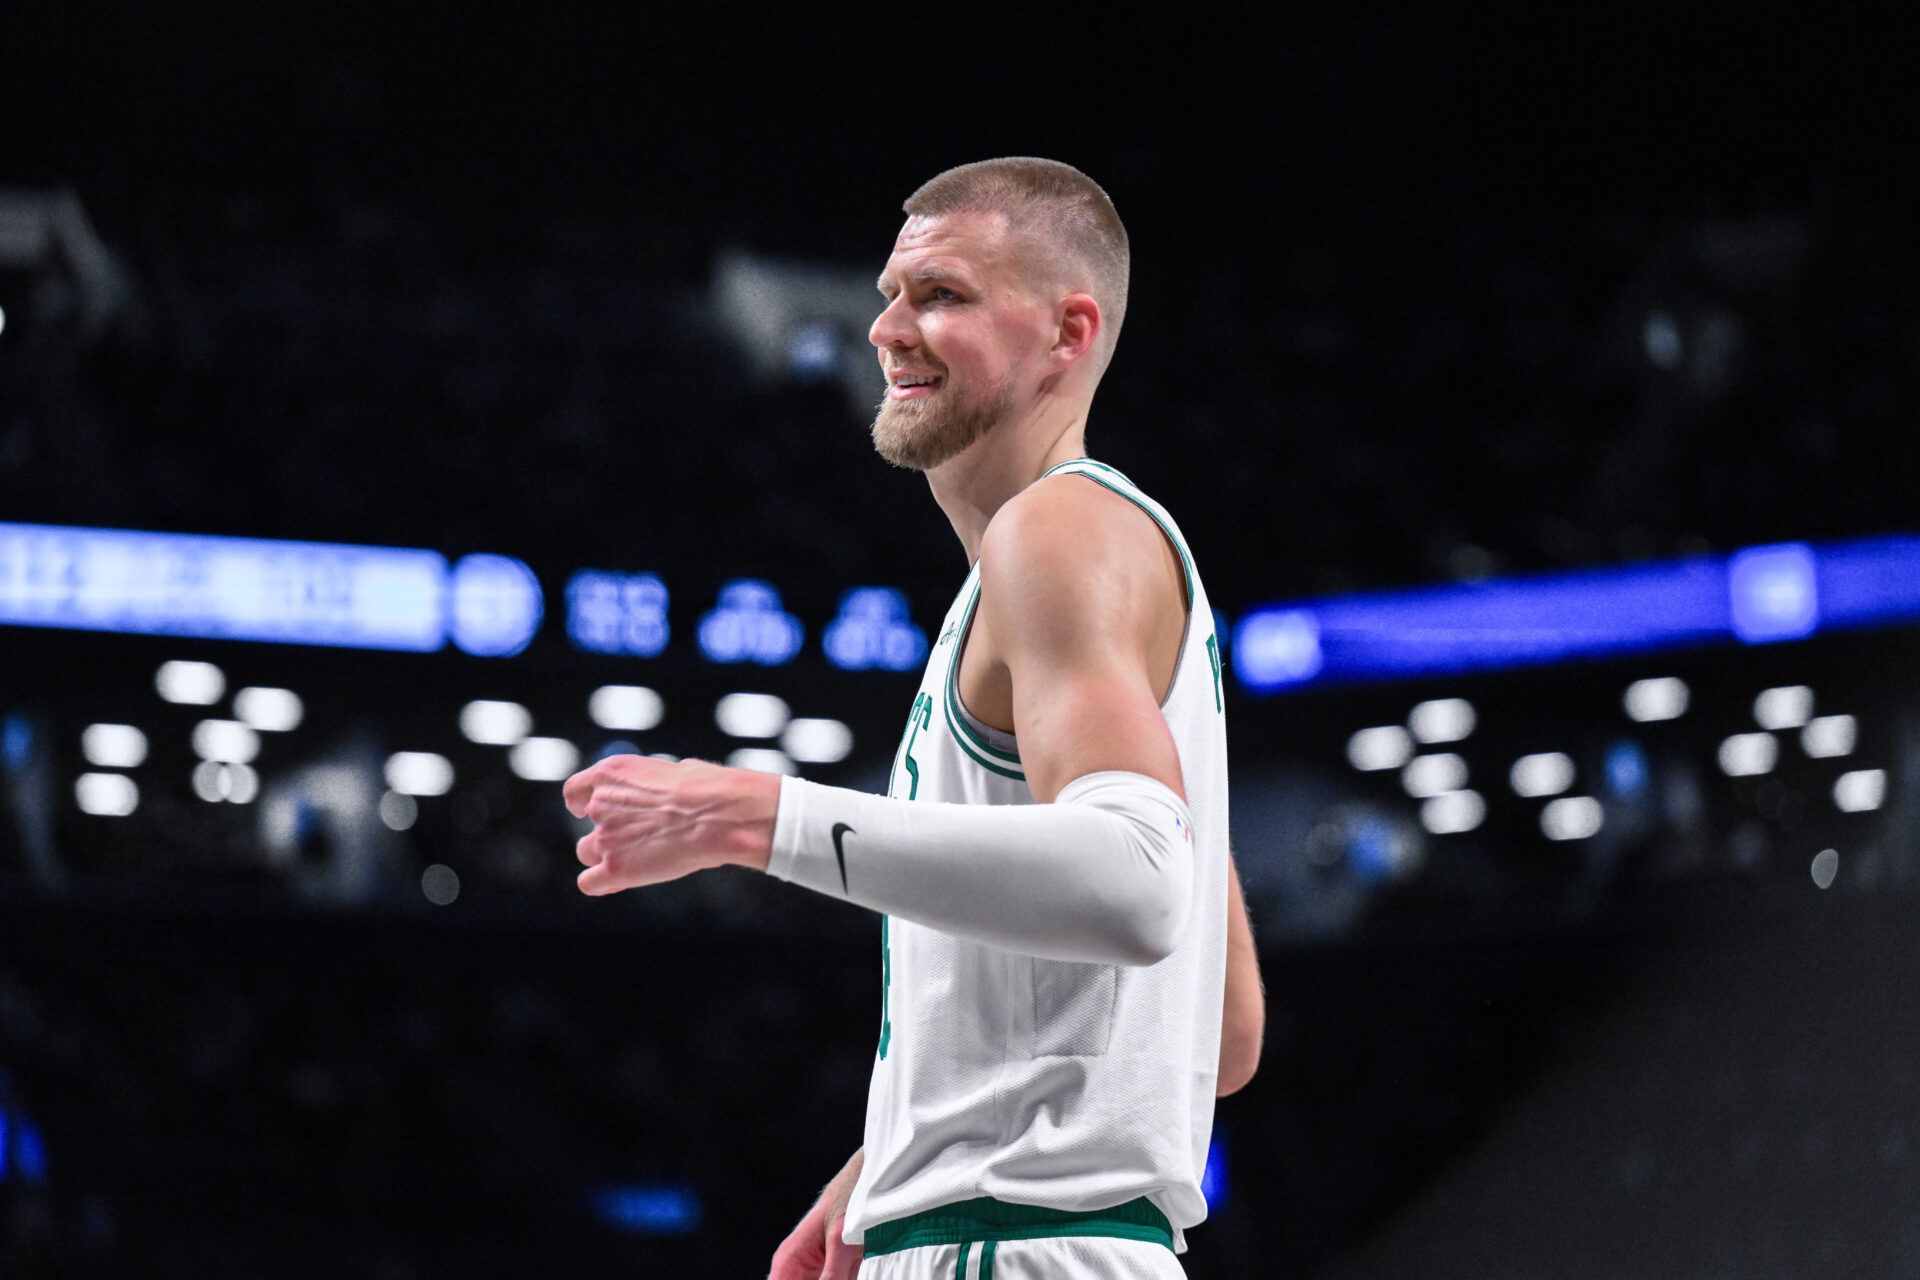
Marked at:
<point>1101,473</point>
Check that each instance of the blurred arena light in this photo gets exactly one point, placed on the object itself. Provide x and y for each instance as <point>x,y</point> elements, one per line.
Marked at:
<point>419,773</point>
<point>1571,818</point>
<point>1825,866</point>
<point>1661,338</point>
<point>215,781</point>
<point>1787,707</point>
<point>1628,771</point>
<point>1213,1178</point>
<point>111,795</point>
<point>199,684</point>
<point>227,741</point>
<point>1827,736</point>
<point>544,759</point>
<point>113,746</point>
<point>1860,790</point>
<point>661,1209</point>
<point>1427,776</point>
<point>811,741</point>
<point>398,810</point>
<point>440,884</point>
<point>761,759</point>
<point>751,715</point>
<point>1386,746</point>
<point>1546,773</point>
<point>1657,698</point>
<point>1453,812</point>
<point>1277,648</point>
<point>269,710</point>
<point>491,723</point>
<point>1746,754</point>
<point>629,707</point>
<point>16,741</point>
<point>1774,593</point>
<point>1442,720</point>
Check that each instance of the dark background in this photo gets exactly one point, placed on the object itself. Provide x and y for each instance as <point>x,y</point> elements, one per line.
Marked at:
<point>1415,301</point>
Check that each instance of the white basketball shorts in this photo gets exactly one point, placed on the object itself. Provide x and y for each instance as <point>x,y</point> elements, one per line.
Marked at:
<point>987,1240</point>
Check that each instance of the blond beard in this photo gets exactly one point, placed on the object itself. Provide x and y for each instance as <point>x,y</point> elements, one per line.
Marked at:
<point>923,434</point>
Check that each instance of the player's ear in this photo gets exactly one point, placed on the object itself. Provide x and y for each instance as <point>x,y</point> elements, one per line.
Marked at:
<point>1080,323</point>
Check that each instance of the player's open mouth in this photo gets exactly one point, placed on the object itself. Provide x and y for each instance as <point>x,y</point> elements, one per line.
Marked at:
<point>913,388</point>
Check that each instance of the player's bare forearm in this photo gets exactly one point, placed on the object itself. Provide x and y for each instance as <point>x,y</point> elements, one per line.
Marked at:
<point>1244,1014</point>
<point>839,1189</point>
<point>814,1249</point>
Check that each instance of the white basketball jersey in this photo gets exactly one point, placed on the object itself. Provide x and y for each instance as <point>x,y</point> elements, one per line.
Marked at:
<point>1045,1082</point>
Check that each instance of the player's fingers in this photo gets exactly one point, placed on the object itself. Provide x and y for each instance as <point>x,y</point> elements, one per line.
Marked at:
<point>578,790</point>
<point>596,881</point>
<point>587,849</point>
<point>796,1259</point>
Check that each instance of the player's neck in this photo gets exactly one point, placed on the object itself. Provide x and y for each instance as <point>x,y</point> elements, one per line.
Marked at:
<point>982,478</point>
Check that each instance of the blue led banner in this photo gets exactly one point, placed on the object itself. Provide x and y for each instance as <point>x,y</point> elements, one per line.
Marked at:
<point>1760,595</point>
<point>220,588</point>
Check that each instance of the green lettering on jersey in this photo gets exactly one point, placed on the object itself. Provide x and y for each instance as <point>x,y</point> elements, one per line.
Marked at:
<point>1213,656</point>
<point>921,717</point>
<point>886,984</point>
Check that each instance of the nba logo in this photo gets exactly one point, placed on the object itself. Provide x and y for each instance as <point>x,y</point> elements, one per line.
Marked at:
<point>1186,833</point>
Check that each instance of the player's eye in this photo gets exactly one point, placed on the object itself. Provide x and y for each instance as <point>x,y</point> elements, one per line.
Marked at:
<point>943,294</point>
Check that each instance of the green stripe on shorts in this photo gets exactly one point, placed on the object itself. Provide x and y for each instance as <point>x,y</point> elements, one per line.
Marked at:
<point>988,1221</point>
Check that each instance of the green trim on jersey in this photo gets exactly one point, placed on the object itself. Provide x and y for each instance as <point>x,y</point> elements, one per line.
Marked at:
<point>976,746</point>
<point>990,1221</point>
<point>960,729</point>
<point>1139,500</point>
<point>982,752</point>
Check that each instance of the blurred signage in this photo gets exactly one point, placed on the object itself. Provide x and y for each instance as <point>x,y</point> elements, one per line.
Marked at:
<point>1760,595</point>
<point>617,612</point>
<point>873,629</point>
<point>748,625</point>
<point>222,588</point>
<point>219,588</point>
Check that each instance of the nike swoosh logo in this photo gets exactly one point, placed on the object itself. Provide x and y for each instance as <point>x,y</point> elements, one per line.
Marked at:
<point>841,829</point>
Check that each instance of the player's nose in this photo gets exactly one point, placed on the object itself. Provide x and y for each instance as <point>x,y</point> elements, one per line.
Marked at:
<point>891,328</point>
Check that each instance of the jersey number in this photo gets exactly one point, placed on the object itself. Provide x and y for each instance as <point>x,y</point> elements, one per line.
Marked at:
<point>921,717</point>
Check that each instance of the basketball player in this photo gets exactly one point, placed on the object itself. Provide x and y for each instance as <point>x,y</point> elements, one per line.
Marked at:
<point>1051,856</point>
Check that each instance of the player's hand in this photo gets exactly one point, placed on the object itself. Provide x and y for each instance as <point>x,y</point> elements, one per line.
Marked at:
<point>658,820</point>
<point>815,1251</point>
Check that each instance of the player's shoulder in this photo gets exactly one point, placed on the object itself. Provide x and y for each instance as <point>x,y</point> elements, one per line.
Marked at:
<point>1064,520</point>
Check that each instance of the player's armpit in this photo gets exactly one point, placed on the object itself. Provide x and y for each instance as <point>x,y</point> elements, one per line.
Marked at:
<point>1074,582</point>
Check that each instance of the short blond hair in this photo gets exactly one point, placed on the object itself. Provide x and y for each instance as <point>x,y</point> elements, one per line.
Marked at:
<point>1055,204</point>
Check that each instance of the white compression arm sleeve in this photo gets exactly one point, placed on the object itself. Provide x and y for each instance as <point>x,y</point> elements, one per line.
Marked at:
<point>1102,875</point>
